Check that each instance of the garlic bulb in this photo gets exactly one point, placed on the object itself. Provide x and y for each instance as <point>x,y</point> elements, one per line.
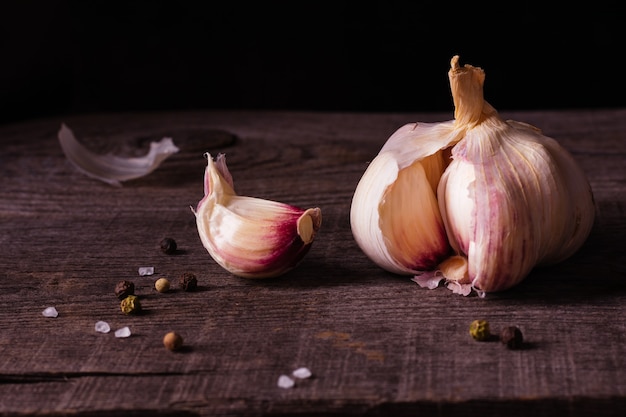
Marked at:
<point>477,201</point>
<point>251,237</point>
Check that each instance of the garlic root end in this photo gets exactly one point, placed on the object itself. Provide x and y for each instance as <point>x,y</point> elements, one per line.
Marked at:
<point>308,224</point>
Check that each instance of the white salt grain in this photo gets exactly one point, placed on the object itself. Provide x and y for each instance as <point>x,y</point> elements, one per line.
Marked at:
<point>50,312</point>
<point>146,270</point>
<point>302,373</point>
<point>123,332</point>
<point>102,327</point>
<point>285,381</point>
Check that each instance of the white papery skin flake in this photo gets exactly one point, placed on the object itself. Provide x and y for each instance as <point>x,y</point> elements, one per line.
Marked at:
<point>110,168</point>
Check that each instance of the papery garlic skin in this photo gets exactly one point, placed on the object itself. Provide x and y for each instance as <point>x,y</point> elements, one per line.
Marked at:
<point>110,168</point>
<point>251,237</point>
<point>508,198</point>
<point>507,221</point>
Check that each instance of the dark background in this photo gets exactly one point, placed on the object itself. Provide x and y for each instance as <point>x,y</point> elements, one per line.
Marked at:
<point>60,57</point>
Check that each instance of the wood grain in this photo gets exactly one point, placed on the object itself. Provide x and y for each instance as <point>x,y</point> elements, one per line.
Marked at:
<point>377,344</point>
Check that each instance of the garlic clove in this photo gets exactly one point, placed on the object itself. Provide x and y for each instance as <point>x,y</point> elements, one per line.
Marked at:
<point>251,237</point>
<point>394,214</point>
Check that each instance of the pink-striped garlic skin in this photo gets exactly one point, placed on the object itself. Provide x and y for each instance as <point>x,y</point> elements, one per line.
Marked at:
<point>251,237</point>
<point>513,199</point>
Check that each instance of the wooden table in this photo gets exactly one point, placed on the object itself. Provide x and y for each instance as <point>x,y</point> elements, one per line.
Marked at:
<point>377,344</point>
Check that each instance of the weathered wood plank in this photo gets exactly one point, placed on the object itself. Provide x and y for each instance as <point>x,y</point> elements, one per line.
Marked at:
<point>376,343</point>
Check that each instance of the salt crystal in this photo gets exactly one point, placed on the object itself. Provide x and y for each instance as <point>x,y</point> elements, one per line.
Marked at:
<point>302,373</point>
<point>102,327</point>
<point>123,332</point>
<point>50,312</point>
<point>285,381</point>
<point>146,270</point>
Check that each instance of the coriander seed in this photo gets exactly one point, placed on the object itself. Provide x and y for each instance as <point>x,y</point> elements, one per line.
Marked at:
<point>512,337</point>
<point>124,288</point>
<point>162,285</point>
<point>168,245</point>
<point>479,330</point>
<point>188,281</point>
<point>130,305</point>
<point>172,341</point>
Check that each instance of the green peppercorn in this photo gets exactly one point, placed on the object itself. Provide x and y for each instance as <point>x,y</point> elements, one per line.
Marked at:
<point>512,337</point>
<point>124,288</point>
<point>173,341</point>
<point>188,281</point>
<point>168,245</point>
<point>130,305</point>
<point>479,330</point>
<point>162,285</point>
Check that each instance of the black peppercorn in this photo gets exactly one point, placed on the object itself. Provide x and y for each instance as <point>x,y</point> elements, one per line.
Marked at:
<point>512,337</point>
<point>168,245</point>
<point>188,281</point>
<point>124,288</point>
